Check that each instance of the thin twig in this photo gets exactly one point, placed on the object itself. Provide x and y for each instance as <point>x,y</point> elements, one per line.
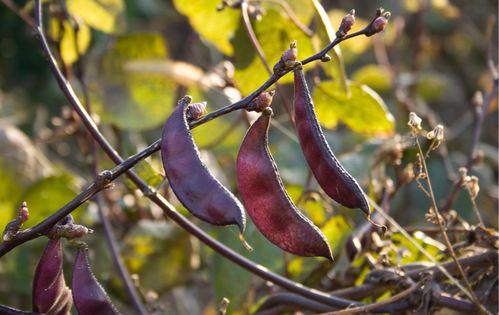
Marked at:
<point>471,294</point>
<point>395,298</point>
<point>261,54</point>
<point>477,130</point>
<point>101,182</point>
<point>115,254</point>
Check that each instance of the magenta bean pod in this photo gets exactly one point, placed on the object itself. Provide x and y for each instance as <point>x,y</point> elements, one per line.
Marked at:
<point>266,200</point>
<point>191,181</point>
<point>89,296</point>
<point>330,174</point>
<point>50,293</point>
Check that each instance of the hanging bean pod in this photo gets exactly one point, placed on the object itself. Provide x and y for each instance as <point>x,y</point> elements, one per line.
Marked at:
<point>330,174</point>
<point>50,293</point>
<point>191,181</point>
<point>266,200</point>
<point>89,296</point>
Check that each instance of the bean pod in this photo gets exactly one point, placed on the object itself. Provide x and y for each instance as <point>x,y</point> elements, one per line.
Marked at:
<point>266,200</point>
<point>330,174</point>
<point>50,293</point>
<point>89,296</point>
<point>191,181</point>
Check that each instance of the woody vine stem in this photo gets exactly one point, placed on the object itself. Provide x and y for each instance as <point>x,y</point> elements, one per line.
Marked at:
<point>124,167</point>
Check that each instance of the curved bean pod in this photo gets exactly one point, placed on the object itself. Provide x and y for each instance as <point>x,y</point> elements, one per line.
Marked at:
<point>193,184</point>
<point>266,200</point>
<point>89,296</point>
<point>50,293</point>
<point>330,174</point>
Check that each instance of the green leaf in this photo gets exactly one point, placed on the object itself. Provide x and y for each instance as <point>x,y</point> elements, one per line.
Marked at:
<point>67,37</point>
<point>102,15</point>
<point>137,100</point>
<point>374,76</point>
<point>363,110</point>
<point>48,195</point>
<point>215,26</point>
<point>275,31</point>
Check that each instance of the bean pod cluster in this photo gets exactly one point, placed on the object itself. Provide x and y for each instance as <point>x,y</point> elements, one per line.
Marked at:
<point>259,183</point>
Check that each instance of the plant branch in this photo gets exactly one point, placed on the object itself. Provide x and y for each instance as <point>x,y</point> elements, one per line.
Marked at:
<point>441,224</point>
<point>480,114</point>
<point>101,182</point>
<point>167,208</point>
<point>375,306</point>
<point>115,254</point>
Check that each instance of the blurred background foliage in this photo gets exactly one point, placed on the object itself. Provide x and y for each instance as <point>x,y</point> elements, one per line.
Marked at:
<point>130,61</point>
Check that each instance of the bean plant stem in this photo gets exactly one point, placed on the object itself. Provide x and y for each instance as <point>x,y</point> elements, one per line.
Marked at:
<point>395,298</point>
<point>168,209</point>
<point>477,130</point>
<point>441,224</point>
<point>115,254</point>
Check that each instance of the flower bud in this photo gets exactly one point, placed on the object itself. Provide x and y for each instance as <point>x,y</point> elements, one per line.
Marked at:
<point>414,121</point>
<point>437,134</point>
<point>346,24</point>
<point>261,102</point>
<point>196,110</point>
<point>379,24</point>
<point>289,56</point>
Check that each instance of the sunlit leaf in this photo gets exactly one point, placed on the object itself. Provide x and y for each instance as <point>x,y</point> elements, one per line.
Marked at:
<point>312,207</point>
<point>215,26</point>
<point>103,15</point>
<point>274,32</point>
<point>363,110</point>
<point>336,230</point>
<point>374,76</point>
<point>67,37</point>
<point>138,100</point>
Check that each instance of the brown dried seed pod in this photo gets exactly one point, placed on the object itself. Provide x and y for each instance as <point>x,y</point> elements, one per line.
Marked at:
<point>266,200</point>
<point>191,181</point>
<point>330,174</point>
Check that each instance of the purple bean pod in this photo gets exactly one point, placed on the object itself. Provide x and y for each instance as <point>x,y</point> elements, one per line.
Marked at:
<point>191,181</point>
<point>89,296</point>
<point>330,174</point>
<point>50,293</point>
<point>266,200</point>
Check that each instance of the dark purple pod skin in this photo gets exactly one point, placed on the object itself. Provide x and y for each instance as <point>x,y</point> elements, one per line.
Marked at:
<point>330,174</point>
<point>191,181</point>
<point>266,200</point>
<point>89,296</point>
<point>50,293</point>
<point>7,310</point>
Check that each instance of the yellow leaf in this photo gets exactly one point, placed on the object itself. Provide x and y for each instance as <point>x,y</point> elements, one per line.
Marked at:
<point>67,37</point>
<point>103,15</point>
